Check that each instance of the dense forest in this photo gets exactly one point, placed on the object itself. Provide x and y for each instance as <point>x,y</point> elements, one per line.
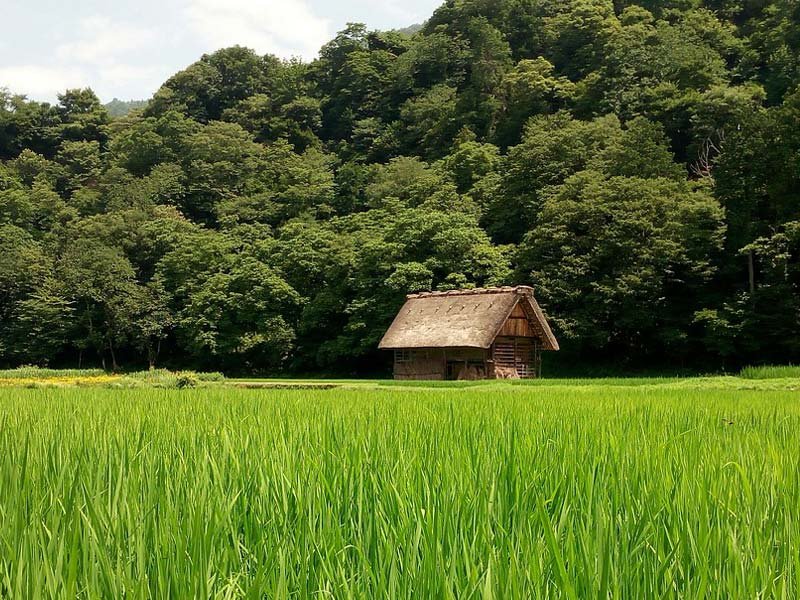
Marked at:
<point>637,163</point>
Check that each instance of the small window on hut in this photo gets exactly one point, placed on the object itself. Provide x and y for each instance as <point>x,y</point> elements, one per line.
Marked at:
<point>402,356</point>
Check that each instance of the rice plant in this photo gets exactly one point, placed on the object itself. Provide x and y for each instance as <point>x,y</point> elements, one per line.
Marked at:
<point>771,372</point>
<point>42,373</point>
<point>504,492</point>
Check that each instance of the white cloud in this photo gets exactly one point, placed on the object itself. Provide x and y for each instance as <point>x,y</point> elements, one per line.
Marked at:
<point>126,51</point>
<point>282,27</point>
<point>103,41</point>
<point>123,74</point>
<point>401,12</point>
<point>42,80</point>
<point>103,54</point>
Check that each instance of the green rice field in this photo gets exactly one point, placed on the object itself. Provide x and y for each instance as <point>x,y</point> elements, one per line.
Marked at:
<point>573,489</point>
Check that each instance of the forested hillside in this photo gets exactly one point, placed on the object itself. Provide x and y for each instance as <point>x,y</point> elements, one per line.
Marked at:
<point>638,164</point>
<point>120,108</point>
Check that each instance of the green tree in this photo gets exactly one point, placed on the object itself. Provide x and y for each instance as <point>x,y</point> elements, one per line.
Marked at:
<point>470,162</point>
<point>529,89</point>
<point>431,120</point>
<point>242,316</point>
<point>640,150</point>
<point>221,161</point>
<point>576,34</point>
<point>100,283</point>
<point>216,83</point>
<point>553,148</point>
<point>355,74</point>
<point>82,116</point>
<point>763,322</point>
<point>41,326</point>
<point>621,260</point>
<point>28,125</point>
<point>152,320</point>
<point>24,266</point>
<point>81,161</point>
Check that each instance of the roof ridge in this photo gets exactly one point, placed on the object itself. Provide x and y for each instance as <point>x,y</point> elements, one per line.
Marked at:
<point>518,289</point>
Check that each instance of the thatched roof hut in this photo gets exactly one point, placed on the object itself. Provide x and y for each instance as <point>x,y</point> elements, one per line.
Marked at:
<point>494,332</point>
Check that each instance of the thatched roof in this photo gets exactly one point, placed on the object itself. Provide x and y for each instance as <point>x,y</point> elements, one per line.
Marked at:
<point>463,319</point>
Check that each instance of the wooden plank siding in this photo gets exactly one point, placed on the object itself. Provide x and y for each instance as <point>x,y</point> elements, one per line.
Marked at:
<point>437,364</point>
<point>517,325</point>
<point>520,354</point>
<point>422,365</point>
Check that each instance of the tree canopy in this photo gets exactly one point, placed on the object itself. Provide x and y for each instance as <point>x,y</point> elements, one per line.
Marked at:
<point>636,162</point>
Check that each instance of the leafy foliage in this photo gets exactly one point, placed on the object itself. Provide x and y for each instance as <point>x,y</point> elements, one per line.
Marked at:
<point>636,162</point>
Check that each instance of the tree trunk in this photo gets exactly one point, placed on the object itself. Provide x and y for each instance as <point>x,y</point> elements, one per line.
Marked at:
<point>751,274</point>
<point>114,366</point>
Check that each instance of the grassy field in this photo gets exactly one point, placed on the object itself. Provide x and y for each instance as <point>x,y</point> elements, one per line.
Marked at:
<point>576,489</point>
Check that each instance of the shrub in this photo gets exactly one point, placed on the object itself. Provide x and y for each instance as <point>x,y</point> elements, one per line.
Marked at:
<point>186,380</point>
<point>213,376</point>
<point>174,379</point>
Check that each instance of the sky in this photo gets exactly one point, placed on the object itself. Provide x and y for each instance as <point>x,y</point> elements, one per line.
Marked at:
<point>128,49</point>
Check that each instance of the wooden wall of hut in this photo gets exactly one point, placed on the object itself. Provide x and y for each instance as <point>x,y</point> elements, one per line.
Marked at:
<point>467,364</point>
<point>516,357</point>
<point>510,357</point>
<point>421,365</point>
<point>517,325</point>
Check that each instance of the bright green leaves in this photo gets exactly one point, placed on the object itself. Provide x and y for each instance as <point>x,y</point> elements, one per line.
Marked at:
<point>608,255</point>
<point>571,489</point>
